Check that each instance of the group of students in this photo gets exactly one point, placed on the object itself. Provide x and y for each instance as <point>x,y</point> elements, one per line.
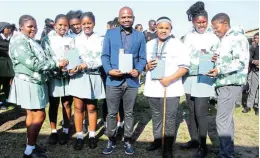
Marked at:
<point>41,77</point>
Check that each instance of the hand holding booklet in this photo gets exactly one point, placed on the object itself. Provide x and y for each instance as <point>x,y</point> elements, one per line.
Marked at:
<point>205,63</point>
<point>159,71</point>
<point>72,55</point>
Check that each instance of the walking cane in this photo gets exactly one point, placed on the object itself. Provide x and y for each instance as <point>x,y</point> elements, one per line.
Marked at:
<point>164,117</point>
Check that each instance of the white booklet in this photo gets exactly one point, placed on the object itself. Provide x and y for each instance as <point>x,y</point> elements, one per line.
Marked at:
<point>72,55</point>
<point>125,62</point>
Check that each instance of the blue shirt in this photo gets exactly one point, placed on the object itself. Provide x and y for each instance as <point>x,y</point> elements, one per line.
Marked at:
<point>71,34</point>
<point>126,40</point>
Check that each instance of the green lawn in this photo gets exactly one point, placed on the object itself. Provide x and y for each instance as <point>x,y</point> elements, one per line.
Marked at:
<point>13,134</point>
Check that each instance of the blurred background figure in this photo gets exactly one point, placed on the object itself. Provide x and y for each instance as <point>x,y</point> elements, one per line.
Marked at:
<point>139,27</point>
<point>49,24</point>
<point>109,25</point>
<point>115,23</point>
<point>151,34</point>
<point>253,77</point>
<point>6,71</point>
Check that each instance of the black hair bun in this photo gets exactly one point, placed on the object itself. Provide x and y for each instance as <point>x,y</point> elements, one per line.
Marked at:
<point>195,9</point>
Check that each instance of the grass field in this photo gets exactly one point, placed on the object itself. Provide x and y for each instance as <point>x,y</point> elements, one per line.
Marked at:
<point>13,134</point>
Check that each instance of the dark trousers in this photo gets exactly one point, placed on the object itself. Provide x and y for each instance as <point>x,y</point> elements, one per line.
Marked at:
<point>113,97</point>
<point>156,105</point>
<point>198,108</point>
<point>5,81</point>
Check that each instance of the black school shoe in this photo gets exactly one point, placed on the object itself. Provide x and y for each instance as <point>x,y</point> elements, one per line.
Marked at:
<point>201,153</point>
<point>53,139</point>
<point>79,144</point>
<point>189,145</point>
<point>63,138</point>
<point>156,144</point>
<point>92,143</point>
<point>246,110</point>
<point>35,154</point>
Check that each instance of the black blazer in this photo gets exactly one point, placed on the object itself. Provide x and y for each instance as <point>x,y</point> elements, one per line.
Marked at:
<point>6,66</point>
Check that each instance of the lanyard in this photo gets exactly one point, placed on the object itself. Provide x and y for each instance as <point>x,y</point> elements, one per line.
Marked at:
<point>159,52</point>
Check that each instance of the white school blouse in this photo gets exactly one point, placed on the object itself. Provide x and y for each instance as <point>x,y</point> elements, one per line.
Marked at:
<point>176,55</point>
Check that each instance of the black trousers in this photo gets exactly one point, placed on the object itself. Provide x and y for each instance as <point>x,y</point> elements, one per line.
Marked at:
<point>198,108</point>
<point>5,81</point>
<point>156,106</point>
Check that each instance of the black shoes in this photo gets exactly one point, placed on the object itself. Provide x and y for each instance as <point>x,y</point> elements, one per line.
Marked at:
<point>167,148</point>
<point>201,153</point>
<point>79,144</point>
<point>3,106</point>
<point>92,143</point>
<point>256,110</point>
<point>63,138</point>
<point>53,139</point>
<point>156,144</point>
<point>40,149</point>
<point>35,154</point>
<point>246,110</point>
<point>189,145</point>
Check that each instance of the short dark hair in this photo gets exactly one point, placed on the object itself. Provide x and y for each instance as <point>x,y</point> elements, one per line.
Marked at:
<point>221,17</point>
<point>74,14</point>
<point>110,22</point>
<point>136,26</point>
<point>88,14</point>
<point>25,18</point>
<point>60,16</point>
<point>256,34</point>
<point>115,22</point>
<point>150,21</point>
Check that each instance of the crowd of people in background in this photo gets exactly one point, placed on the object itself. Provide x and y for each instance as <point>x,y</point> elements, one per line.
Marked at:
<point>34,74</point>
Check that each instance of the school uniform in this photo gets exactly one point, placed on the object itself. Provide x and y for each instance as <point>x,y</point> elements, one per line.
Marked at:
<point>88,83</point>
<point>31,66</point>
<point>232,65</point>
<point>55,45</point>
<point>176,56</point>
<point>199,88</point>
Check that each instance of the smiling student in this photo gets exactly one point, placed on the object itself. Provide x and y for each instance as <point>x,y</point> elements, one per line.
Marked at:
<point>87,75</point>
<point>177,64</point>
<point>198,88</point>
<point>74,23</point>
<point>231,72</point>
<point>55,43</point>
<point>29,88</point>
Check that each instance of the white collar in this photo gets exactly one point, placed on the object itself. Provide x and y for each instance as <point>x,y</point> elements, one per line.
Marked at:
<point>148,30</point>
<point>4,38</point>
